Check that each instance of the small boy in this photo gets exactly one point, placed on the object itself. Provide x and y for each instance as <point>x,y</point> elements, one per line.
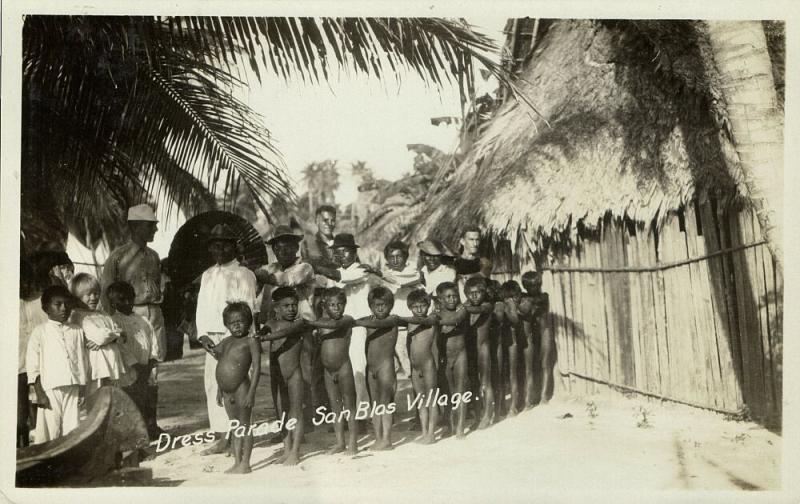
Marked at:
<point>333,331</point>
<point>285,335</point>
<point>454,319</point>
<point>512,295</point>
<point>422,352</point>
<point>55,362</point>
<point>137,347</point>
<point>381,377</point>
<point>236,354</point>
<point>536,305</point>
<point>481,310</point>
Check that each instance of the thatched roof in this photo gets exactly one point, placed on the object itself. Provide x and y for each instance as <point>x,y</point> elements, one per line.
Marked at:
<point>631,132</point>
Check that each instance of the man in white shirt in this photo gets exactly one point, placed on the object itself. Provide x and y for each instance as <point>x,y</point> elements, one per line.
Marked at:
<point>433,271</point>
<point>356,279</point>
<point>225,282</point>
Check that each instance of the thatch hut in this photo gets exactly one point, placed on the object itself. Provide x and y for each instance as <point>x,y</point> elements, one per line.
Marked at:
<point>624,191</point>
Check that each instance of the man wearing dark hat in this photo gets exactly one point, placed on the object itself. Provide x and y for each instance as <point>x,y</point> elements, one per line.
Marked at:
<point>225,282</point>
<point>289,270</point>
<point>139,265</point>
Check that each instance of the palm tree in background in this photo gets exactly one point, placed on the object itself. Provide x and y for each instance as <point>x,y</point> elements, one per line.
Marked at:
<point>322,180</point>
<point>118,110</point>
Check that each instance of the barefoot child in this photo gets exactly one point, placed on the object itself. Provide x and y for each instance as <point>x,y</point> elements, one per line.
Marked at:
<point>454,319</point>
<point>55,362</point>
<point>381,377</point>
<point>480,317</point>
<point>285,335</point>
<point>537,304</point>
<point>421,344</point>
<point>237,354</point>
<point>512,295</point>
<point>334,331</point>
<point>139,347</point>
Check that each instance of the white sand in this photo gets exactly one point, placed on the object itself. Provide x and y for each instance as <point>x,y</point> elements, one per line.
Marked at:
<point>537,451</point>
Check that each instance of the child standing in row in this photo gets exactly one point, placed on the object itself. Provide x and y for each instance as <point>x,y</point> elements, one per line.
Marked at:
<point>285,335</point>
<point>55,362</point>
<point>422,353</point>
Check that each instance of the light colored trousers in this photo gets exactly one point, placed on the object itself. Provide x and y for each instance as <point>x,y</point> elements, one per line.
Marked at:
<point>217,417</point>
<point>62,417</point>
<point>358,359</point>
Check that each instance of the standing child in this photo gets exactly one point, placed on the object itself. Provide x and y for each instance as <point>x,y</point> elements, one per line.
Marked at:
<point>55,363</point>
<point>512,295</point>
<point>500,338</point>
<point>382,380</point>
<point>101,332</point>
<point>334,329</point>
<point>537,305</point>
<point>237,354</point>
<point>285,335</point>
<point>139,348</point>
<point>422,335</point>
<point>480,318</point>
<point>453,319</point>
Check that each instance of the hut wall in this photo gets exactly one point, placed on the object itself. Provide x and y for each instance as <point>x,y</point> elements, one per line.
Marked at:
<point>692,313</point>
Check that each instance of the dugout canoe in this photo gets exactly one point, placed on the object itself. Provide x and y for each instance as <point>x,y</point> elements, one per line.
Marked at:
<point>112,426</point>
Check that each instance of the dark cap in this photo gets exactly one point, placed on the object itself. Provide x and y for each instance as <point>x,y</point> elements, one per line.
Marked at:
<point>283,232</point>
<point>344,240</point>
<point>222,232</point>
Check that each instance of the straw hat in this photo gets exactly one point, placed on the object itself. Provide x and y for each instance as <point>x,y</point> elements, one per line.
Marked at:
<point>142,212</point>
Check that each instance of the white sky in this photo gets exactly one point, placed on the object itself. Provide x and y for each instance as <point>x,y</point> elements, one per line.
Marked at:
<point>356,118</point>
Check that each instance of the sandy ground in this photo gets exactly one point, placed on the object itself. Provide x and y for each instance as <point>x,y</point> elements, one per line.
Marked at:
<point>563,445</point>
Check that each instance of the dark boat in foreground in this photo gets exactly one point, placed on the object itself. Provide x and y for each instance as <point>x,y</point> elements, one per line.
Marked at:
<point>112,427</point>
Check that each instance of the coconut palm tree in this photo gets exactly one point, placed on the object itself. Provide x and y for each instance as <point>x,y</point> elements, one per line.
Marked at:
<point>121,109</point>
<point>754,117</point>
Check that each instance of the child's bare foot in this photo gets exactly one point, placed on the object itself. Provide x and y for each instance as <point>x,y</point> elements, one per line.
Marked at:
<point>486,421</point>
<point>427,439</point>
<point>512,411</point>
<point>381,445</point>
<point>218,447</point>
<point>239,469</point>
<point>351,451</point>
<point>337,448</point>
<point>460,435</point>
<point>291,459</point>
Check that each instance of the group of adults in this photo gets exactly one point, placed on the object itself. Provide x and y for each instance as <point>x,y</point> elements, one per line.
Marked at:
<point>307,263</point>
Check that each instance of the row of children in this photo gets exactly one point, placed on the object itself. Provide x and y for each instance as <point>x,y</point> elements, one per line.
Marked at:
<point>481,344</point>
<point>80,348</point>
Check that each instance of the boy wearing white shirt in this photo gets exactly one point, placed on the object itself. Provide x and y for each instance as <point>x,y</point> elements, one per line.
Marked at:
<point>56,365</point>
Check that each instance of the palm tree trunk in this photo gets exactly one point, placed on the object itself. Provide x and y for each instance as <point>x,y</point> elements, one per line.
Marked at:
<point>739,50</point>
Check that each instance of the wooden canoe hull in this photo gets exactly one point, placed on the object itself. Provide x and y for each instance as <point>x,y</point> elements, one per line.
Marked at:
<point>112,426</point>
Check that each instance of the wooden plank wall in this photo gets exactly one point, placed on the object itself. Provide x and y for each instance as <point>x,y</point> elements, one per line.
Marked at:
<point>707,333</point>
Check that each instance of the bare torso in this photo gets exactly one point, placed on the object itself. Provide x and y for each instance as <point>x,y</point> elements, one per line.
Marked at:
<point>233,363</point>
<point>334,350</point>
<point>380,346</point>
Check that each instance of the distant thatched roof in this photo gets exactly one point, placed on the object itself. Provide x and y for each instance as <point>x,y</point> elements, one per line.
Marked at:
<point>631,133</point>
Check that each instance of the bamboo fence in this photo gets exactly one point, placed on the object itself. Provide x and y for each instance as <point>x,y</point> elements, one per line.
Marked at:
<point>691,313</point>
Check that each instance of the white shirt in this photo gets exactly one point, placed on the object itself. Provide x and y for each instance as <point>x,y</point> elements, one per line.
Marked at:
<point>439,275</point>
<point>299,276</point>
<point>30,316</point>
<point>356,284</point>
<point>100,329</point>
<point>56,353</point>
<point>394,280</point>
<point>219,286</point>
<point>138,347</point>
